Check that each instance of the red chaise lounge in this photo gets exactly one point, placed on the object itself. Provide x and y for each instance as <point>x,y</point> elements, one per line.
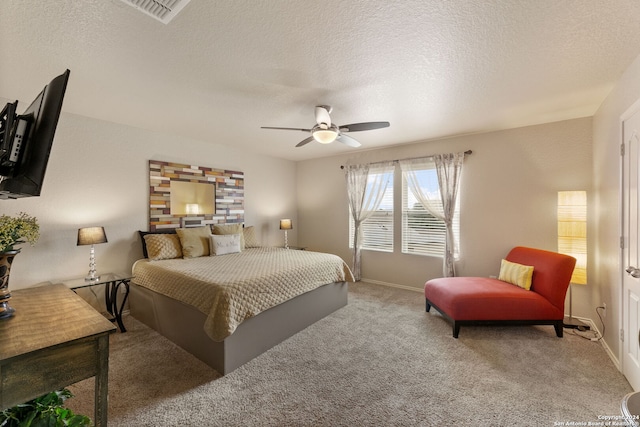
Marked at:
<point>483,300</point>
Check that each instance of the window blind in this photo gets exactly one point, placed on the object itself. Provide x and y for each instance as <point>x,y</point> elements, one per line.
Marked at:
<point>377,230</point>
<point>422,232</point>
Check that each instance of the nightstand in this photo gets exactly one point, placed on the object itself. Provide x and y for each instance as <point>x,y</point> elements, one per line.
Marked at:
<point>112,283</point>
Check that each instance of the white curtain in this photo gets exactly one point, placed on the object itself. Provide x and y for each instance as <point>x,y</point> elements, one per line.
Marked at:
<point>366,185</point>
<point>442,206</point>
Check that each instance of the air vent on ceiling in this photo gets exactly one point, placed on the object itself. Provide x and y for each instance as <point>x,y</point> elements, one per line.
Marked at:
<point>162,10</point>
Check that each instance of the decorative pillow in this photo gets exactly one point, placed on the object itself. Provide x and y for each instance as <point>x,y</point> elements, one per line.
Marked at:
<point>516,274</point>
<point>162,246</point>
<point>250,238</point>
<point>144,233</point>
<point>194,241</point>
<point>224,244</point>
<point>221,229</point>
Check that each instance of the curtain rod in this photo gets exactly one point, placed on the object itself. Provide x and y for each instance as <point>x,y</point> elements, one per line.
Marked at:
<point>466,153</point>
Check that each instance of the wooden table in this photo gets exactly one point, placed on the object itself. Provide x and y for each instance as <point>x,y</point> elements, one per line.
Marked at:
<point>53,340</point>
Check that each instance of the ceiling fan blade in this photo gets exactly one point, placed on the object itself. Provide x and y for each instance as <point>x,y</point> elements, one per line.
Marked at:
<point>347,140</point>
<point>277,128</point>
<point>356,127</point>
<point>322,114</point>
<point>304,141</point>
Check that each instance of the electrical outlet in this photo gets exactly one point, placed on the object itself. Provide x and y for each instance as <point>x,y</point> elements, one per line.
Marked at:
<point>604,309</point>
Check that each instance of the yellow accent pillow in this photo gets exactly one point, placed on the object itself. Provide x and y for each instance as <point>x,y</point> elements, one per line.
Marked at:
<point>194,241</point>
<point>162,246</point>
<point>230,229</point>
<point>516,274</point>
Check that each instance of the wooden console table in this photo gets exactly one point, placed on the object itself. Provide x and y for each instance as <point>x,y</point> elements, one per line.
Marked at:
<point>53,340</point>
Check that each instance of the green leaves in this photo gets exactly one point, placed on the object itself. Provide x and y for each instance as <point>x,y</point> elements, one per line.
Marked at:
<point>18,229</point>
<point>44,411</point>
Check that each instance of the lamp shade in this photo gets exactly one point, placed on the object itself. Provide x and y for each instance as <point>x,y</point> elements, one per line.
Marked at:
<point>286,224</point>
<point>572,231</point>
<point>91,236</point>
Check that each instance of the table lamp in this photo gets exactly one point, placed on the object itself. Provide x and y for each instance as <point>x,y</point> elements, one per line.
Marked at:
<point>91,236</point>
<point>286,224</point>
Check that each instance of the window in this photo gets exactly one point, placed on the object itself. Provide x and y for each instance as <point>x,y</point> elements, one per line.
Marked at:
<point>422,232</point>
<point>377,230</point>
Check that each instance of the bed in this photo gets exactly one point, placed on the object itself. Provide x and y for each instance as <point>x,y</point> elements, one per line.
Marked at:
<point>228,309</point>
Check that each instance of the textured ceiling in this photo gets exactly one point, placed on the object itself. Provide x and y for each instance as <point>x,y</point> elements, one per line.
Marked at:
<point>222,68</point>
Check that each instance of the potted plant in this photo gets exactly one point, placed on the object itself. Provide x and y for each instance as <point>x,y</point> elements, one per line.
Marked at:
<point>44,411</point>
<point>14,230</point>
<point>17,229</point>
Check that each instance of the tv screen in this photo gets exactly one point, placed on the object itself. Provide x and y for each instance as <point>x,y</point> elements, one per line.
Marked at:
<point>24,156</point>
<point>7,117</point>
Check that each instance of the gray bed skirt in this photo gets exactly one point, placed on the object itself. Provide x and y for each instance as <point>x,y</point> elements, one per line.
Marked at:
<point>184,324</point>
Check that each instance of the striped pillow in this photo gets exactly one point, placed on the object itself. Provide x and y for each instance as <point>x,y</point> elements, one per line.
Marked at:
<point>516,274</point>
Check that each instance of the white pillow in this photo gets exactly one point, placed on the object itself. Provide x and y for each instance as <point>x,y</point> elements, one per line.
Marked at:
<point>222,244</point>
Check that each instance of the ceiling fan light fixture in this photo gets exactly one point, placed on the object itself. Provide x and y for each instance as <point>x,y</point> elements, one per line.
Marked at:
<point>323,135</point>
<point>325,132</point>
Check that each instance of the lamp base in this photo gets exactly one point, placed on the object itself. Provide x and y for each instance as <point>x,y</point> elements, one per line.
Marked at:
<point>92,278</point>
<point>573,323</point>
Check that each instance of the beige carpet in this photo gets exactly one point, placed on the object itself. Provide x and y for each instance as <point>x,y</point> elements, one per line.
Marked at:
<point>380,361</point>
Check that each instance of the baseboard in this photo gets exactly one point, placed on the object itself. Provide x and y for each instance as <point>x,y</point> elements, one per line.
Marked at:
<point>602,342</point>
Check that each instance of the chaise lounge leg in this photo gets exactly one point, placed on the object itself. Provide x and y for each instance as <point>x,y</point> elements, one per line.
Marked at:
<point>558,325</point>
<point>428,305</point>
<point>456,329</point>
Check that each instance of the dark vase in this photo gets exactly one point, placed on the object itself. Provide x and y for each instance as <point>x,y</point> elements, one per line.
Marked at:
<point>6,259</point>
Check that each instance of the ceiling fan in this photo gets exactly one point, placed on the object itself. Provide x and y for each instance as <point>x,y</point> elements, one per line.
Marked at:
<point>326,132</point>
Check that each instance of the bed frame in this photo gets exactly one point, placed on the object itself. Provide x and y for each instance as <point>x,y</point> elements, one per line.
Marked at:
<point>184,324</point>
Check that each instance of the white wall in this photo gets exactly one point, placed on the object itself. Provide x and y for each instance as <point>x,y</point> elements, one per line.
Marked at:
<point>508,198</point>
<point>606,176</point>
<point>98,175</point>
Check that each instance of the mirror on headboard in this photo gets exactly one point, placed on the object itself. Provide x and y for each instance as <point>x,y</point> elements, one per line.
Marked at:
<point>192,198</point>
<point>182,194</point>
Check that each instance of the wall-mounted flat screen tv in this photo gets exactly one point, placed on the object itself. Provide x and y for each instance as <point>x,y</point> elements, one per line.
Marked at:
<point>26,141</point>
